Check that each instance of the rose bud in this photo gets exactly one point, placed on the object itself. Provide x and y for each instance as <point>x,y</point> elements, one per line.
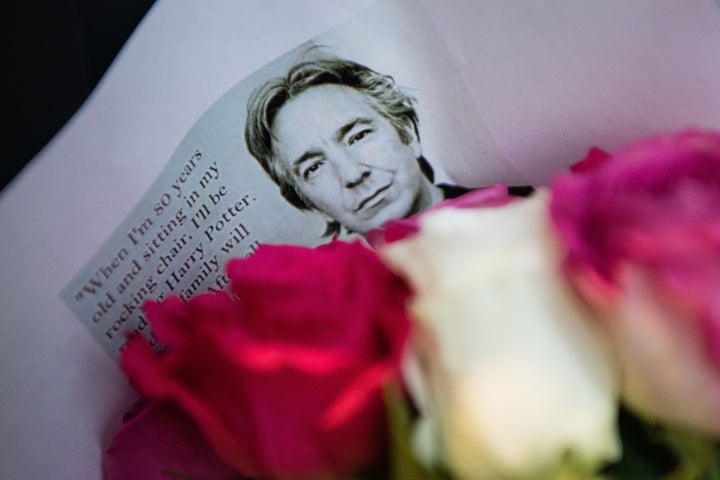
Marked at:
<point>284,378</point>
<point>510,372</point>
<point>642,232</point>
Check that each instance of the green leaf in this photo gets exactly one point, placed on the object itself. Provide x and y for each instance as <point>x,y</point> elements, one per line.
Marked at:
<point>698,456</point>
<point>654,452</point>
<point>171,474</point>
<point>404,465</point>
<point>646,456</point>
<point>712,472</point>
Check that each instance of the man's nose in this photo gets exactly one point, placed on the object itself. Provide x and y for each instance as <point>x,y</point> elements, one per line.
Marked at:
<point>351,172</point>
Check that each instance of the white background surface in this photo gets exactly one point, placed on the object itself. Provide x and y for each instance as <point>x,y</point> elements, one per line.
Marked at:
<point>550,77</point>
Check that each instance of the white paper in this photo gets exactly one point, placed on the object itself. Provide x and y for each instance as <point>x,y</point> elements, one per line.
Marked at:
<point>553,77</point>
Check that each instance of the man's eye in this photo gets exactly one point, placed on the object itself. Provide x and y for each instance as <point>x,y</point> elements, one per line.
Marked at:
<point>311,170</point>
<point>359,135</point>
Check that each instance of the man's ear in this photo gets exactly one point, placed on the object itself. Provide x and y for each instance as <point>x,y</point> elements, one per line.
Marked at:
<point>414,142</point>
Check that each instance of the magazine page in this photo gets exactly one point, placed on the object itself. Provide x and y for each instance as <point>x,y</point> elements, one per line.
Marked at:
<point>352,127</point>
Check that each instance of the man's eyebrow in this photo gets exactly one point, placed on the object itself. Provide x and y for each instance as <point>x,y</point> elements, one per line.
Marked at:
<point>342,131</point>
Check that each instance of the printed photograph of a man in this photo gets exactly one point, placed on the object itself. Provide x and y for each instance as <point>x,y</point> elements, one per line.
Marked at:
<point>343,140</point>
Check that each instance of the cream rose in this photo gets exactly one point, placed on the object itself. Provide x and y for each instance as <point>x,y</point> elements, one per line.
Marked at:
<point>512,376</point>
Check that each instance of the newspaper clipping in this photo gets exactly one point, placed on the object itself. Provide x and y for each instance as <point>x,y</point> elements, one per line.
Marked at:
<point>335,137</point>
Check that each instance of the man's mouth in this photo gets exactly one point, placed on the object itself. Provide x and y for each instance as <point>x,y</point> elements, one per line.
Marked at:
<point>371,198</point>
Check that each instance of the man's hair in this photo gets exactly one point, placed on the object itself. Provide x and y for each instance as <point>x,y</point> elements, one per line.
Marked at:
<point>389,100</point>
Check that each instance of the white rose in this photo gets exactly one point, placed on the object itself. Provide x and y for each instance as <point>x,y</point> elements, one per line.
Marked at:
<point>513,377</point>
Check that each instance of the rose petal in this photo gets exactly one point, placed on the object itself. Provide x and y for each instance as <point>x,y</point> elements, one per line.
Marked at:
<point>157,439</point>
<point>397,229</point>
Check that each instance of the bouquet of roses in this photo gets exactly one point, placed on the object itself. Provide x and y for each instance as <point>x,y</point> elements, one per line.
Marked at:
<point>572,334</point>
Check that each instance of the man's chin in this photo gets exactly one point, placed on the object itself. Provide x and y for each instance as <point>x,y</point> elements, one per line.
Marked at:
<point>390,212</point>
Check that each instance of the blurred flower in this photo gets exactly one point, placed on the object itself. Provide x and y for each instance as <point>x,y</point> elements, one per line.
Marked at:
<point>642,232</point>
<point>511,376</point>
<point>285,380</point>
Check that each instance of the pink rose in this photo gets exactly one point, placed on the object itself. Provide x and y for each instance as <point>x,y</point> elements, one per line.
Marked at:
<point>285,379</point>
<point>595,158</point>
<point>399,228</point>
<point>642,232</point>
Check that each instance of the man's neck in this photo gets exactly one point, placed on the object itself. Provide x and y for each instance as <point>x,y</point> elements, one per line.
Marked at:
<point>429,196</point>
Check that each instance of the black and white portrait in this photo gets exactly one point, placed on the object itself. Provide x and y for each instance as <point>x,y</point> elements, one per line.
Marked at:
<point>342,139</point>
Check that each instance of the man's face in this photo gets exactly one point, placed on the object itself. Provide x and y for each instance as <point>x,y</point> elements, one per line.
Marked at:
<point>347,159</point>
